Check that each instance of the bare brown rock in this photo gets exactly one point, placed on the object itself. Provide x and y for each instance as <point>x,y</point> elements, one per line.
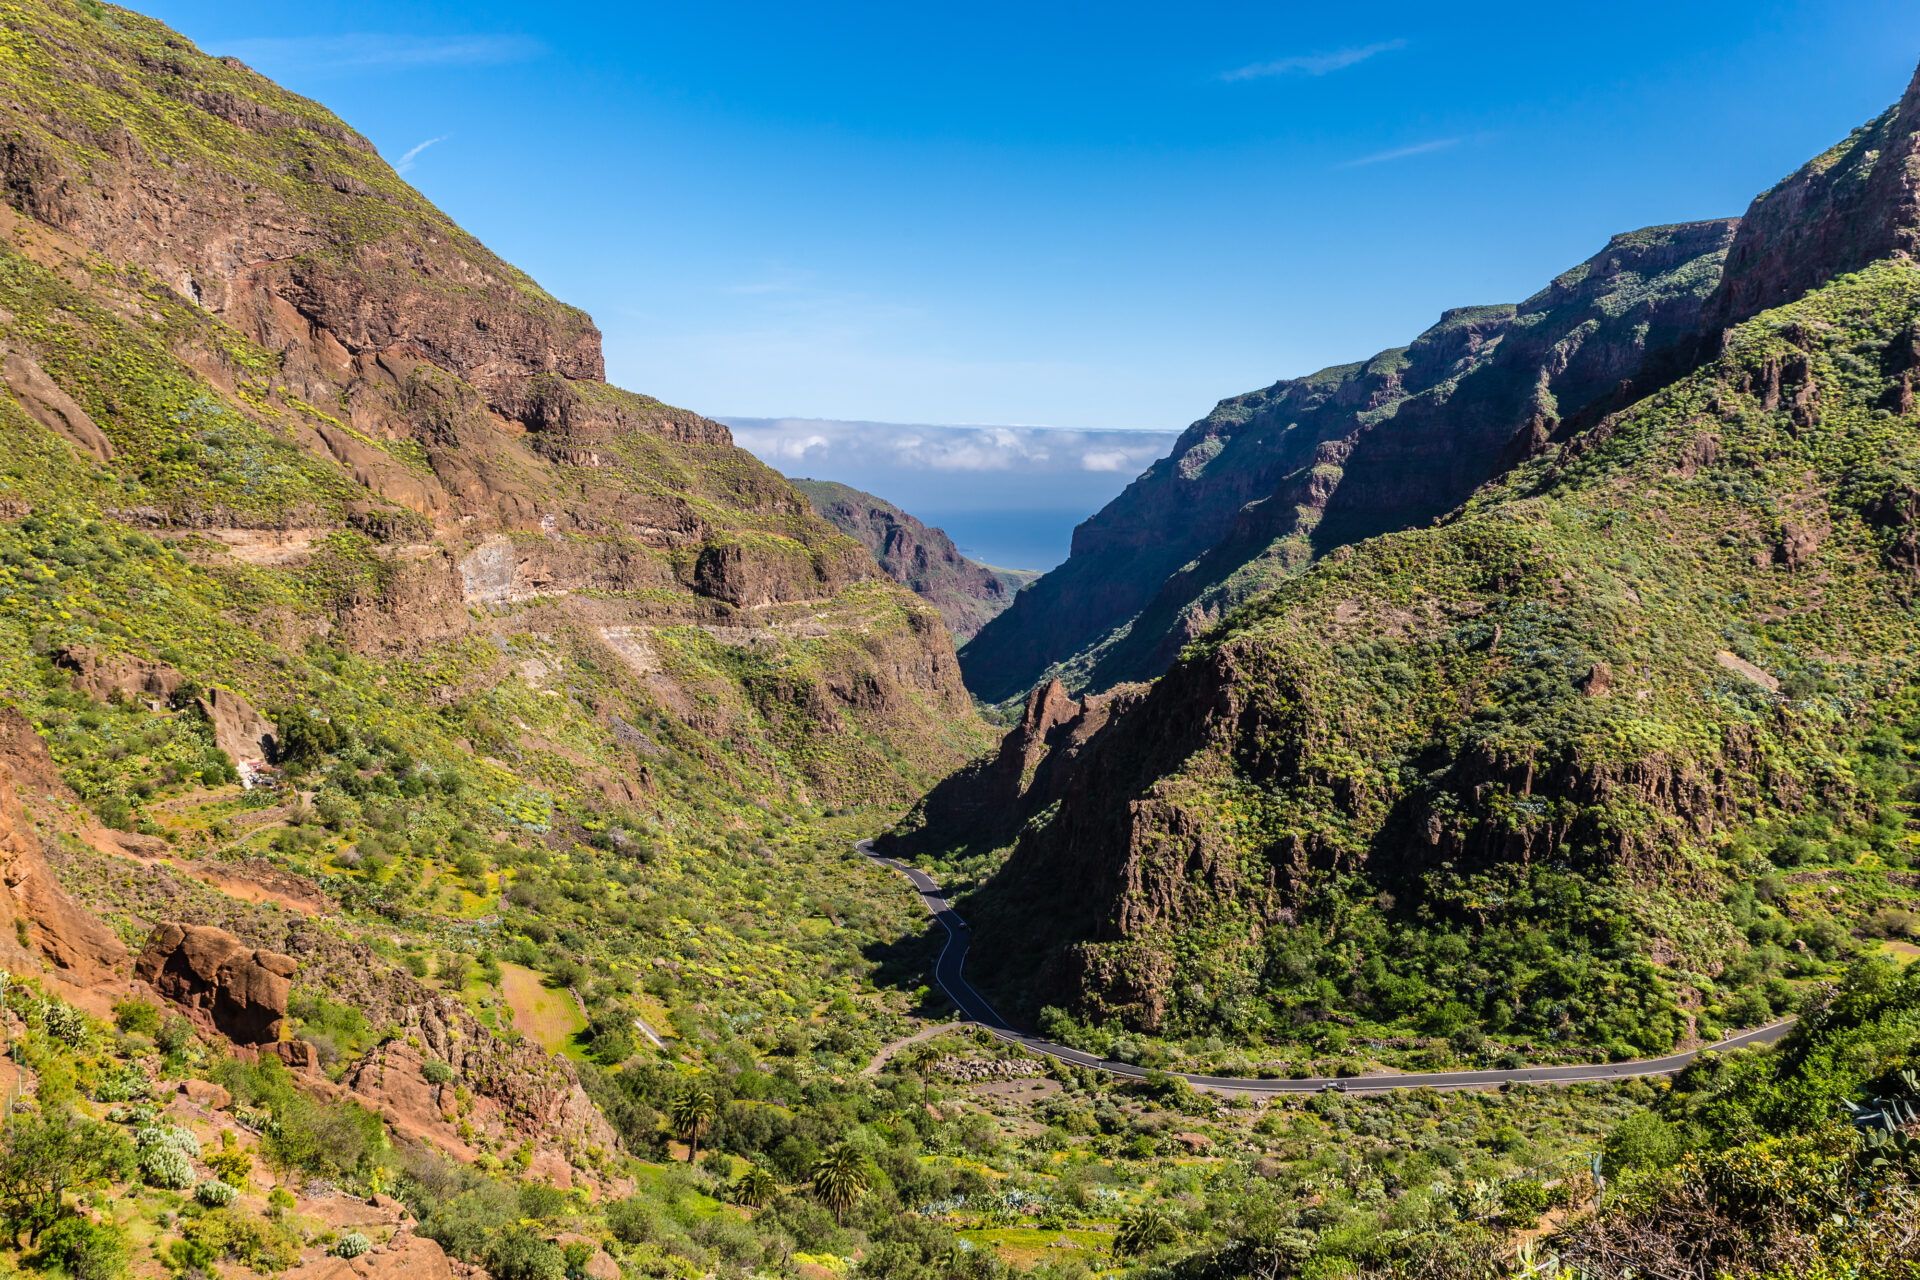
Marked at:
<point>53,408</point>
<point>405,1257</point>
<point>221,984</point>
<point>207,1094</point>
<point>238,729</point>
<point>517,1090</point>
<point>35,774</point>
<point>105,674</point>
<point>39,923</point>
<point>989,800</point>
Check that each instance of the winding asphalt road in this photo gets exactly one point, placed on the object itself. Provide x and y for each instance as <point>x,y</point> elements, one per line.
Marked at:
<point>947,971</point>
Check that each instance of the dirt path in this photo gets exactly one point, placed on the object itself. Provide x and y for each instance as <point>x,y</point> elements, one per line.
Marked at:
<point>232,881</point>
<point>927,1032</point>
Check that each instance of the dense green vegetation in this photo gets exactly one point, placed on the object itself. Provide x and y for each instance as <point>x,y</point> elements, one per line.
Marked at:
<point>1617,755</point>
<point>577,712</point>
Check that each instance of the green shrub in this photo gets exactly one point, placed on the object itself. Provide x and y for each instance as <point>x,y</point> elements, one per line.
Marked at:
<point>301,737</point>
<point>1642,1141</point>
<point>539,1200</point>
<point>518,1254</point>
<point>633,1221</point>
<point>85,1249</point>
<point>174,1035</point>
<point>1522,1203</point>
<point>463,1223</point>
<point>333,1139</point>
<point>136,1016</point>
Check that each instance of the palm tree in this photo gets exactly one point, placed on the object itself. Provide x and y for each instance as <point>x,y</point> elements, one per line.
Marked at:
<point>1143,1231</point>
<point>755,1187</point>
<point>692,1112</point>
<point>839,1179</point>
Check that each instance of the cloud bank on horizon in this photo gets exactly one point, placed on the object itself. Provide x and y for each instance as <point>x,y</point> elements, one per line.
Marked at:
<point>1009,496</point>
<point>794,444</point>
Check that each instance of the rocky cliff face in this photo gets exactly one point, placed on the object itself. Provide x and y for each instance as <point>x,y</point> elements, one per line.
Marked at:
<point>226,987</point>
<point>41,928</point>
<point>921,559</point>
<point>985,805</point>
<point>1272,479</point>
<point>1559,723</point>
<point>504,1092</point>
<point>1852,205</point>
<point>241,321</point>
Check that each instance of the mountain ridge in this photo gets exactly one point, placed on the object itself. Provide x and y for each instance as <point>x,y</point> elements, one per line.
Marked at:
<point>918,557</point>
<point>1603,688</point>
<point>1272,478</point>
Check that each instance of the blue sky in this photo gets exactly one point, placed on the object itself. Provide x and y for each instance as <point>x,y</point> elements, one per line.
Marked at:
<point>1080,215</point>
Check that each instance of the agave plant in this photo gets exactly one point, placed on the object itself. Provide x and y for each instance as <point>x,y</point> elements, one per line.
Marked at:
<point>1143,1231</point>
<point>1880,1121</point>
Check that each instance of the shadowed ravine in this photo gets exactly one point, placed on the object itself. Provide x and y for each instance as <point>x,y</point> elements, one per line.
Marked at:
<point>948,974</point>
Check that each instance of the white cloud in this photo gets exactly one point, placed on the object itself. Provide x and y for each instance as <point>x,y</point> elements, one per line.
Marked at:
<point>951,450</point>
<point>1420,149</point>
<point>798,448</point>
<point>1313,64</point>
<point>1105,460</point>
<point>405,162</point>
<point>372,51</point>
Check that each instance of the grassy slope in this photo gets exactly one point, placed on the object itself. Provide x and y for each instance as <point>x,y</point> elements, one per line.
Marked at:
<point>1406,733</point>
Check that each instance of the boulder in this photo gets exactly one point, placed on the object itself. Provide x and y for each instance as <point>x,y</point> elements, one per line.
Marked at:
<point>207,1094</point>
<point>238,729</point>
<point>300,1056</point>
<point>407,1257</point>
<point>220,983</point>
<point>39,923</point>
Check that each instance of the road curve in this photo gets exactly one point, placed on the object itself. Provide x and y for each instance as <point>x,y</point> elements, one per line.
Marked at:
<point>947,972</point>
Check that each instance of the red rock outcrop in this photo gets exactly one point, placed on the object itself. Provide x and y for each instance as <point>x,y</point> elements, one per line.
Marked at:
<point>53,408</point>
<point>404,1257</point>
<point>515,1090</point>
<point>39,924</point>
<point>222,985</point>
<point>986,803</point>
